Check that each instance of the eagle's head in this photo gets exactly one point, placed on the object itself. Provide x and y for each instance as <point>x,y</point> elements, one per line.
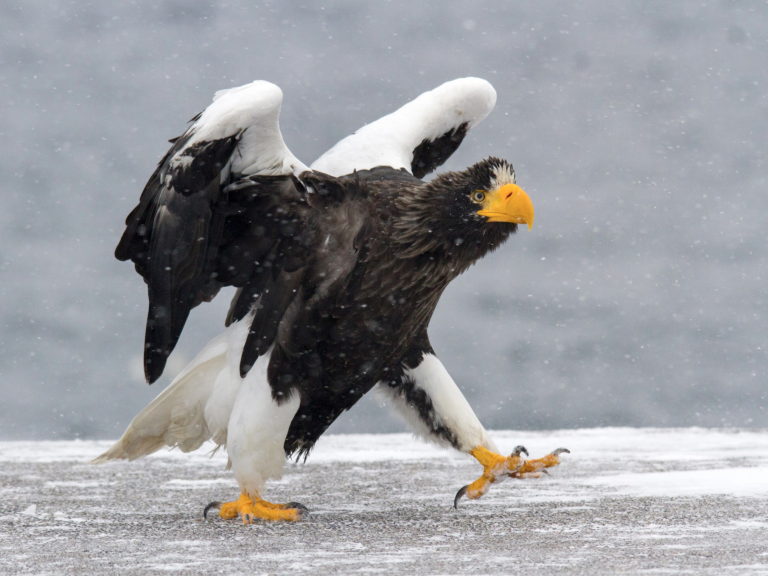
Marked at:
<point>465,214</point>
<point>493,194</point>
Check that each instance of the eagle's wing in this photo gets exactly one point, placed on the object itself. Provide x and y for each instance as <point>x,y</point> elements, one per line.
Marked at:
<point>177,236</point>
<point>418,137</point>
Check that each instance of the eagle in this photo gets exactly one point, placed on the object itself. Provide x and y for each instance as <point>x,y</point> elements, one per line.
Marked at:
<point>338,268</point>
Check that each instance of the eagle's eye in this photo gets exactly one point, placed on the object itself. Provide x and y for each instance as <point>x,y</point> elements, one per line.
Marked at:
<point>478,196</point>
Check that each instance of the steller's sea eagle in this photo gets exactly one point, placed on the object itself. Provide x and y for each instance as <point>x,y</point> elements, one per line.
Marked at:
<point>338,269</point>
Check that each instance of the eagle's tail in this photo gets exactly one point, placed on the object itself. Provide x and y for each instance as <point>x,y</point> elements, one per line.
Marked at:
<point>194,408</point>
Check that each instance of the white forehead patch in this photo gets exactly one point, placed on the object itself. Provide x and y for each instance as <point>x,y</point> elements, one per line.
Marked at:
<point>502,175</point>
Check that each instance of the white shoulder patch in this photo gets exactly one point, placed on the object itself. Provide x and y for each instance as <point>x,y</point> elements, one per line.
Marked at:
<point>252,113</point>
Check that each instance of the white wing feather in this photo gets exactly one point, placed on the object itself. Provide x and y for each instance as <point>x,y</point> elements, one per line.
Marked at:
<point>253,112</point>
<point>391,140</point>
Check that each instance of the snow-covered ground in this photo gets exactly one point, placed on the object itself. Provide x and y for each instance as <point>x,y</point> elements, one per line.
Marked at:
<point>689,501</point>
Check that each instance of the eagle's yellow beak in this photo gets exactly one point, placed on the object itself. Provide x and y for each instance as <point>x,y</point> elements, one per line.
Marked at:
<point>509,203</point>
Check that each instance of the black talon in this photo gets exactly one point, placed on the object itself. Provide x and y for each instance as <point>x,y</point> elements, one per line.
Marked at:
<point>518,449</point>
<point>459,494</point>
<point>213,504</point>
<point>297,505</point>
<point>560,451</point>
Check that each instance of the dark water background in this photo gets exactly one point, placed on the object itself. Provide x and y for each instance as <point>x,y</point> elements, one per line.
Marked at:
<point>639,129</point>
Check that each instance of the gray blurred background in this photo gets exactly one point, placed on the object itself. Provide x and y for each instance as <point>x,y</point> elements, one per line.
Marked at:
<point>639,129</point>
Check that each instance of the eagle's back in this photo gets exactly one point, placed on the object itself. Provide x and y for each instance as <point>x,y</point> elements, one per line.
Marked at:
<point>347,328</point>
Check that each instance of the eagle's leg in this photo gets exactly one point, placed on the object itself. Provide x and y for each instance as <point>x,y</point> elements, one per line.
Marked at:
<point>425,393</point>
<point>258,426</point>
<point>251,509</point>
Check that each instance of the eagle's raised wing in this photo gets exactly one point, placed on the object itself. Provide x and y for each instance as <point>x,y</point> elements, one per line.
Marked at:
<point>184,235</point>
<point>418,137</point>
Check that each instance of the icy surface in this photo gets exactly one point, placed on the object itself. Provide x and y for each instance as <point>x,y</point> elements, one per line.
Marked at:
<point>625,500</point>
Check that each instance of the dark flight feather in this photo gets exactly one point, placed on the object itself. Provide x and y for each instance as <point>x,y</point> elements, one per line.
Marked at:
<point>430,154</point>
<point>192,233</point>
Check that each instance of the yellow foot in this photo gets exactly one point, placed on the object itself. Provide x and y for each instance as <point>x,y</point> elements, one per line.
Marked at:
<point>252,509</point>
<point>497,468</point>
<point>534,468</point>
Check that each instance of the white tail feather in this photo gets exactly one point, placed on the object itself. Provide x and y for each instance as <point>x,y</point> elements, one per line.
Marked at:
<point>188,412</point>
